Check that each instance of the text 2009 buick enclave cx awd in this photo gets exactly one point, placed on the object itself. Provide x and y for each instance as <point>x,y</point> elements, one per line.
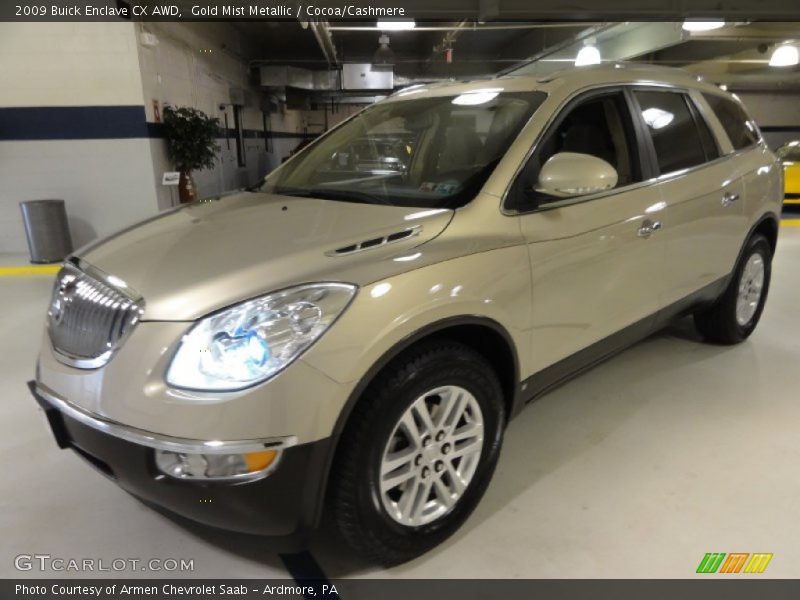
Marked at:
<point>356,338</point>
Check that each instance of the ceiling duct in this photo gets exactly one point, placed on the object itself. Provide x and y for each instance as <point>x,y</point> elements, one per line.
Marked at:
<point>363,76</point>
<point>296,77</point>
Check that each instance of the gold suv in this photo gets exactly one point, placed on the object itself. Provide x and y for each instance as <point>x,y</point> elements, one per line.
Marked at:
<point>355,333</point>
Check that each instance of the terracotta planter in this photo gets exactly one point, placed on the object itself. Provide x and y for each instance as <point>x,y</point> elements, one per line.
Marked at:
<point>186,189</point>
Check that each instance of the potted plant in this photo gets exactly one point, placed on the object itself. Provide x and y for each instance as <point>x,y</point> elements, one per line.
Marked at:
<point>190,135</point>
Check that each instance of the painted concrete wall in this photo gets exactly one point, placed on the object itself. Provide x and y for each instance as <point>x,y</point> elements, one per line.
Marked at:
<point>199,65</point>
<point>109,179</point>
<point>106,183</point>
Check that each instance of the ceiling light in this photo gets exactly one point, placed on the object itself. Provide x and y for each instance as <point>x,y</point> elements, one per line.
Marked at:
<point>403,25</point>
<point>784,56</point>
<point>383,57</point>
<point>703,25</point>
<point>588,55</point>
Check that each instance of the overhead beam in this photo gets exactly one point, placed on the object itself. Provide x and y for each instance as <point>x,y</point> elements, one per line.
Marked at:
<point>616,42</point>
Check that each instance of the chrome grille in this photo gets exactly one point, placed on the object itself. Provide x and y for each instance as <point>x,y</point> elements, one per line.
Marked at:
<point>90,315</point>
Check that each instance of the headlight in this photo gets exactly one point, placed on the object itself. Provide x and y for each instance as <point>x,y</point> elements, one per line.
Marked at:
<point>250,342</point>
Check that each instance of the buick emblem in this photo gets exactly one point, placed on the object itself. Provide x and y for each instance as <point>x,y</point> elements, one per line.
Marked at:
<point>61,298</point>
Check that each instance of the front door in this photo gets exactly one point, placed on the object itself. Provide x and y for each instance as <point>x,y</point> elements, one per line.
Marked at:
<point>595,259</point>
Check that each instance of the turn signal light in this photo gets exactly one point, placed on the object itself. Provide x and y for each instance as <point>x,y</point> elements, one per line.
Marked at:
<point>231,467</point>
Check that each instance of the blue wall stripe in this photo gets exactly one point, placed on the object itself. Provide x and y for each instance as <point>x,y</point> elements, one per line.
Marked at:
<point>96,123</point>
<point>72,123</point>
<point>126,122</point>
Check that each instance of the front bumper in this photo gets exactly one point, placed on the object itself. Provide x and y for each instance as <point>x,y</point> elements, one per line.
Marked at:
<point>283,506</point>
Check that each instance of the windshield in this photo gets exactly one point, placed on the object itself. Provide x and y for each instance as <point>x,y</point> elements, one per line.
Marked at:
<point>428,152</point>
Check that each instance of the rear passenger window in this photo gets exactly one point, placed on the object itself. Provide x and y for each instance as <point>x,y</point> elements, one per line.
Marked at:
<point>740,129</point>
<point>676,137</point>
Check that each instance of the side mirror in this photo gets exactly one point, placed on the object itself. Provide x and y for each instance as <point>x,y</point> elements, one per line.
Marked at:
<point>571,174</point>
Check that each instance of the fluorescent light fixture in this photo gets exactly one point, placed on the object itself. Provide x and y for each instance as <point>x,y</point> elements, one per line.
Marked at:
<point>400,25</point>
<point>703,25</point>
<point>588,55</point>
<point>476,98</point>
<point>657,118</point>
<point>784,56</point>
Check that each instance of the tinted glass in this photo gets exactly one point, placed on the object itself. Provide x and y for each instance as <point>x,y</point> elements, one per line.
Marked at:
<point>676,138</point>
<point>741,130</point>
<point>600,126</point>
<point>426,152</point>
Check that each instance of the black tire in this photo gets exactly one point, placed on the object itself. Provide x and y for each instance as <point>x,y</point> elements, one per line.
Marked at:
<point>718,322</point>
<point>355,503</point>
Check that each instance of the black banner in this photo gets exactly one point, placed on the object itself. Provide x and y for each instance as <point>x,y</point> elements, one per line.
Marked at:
<point>713,588</point>
<point>361,10</point>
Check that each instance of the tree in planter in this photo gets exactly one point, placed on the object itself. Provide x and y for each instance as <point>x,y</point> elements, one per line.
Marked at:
<point>190,137</point>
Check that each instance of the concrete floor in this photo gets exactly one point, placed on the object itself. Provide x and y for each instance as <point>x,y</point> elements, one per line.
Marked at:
<point>636,469</point>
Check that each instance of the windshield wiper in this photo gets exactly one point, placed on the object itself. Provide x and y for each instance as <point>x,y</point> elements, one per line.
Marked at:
<point>328,194</point>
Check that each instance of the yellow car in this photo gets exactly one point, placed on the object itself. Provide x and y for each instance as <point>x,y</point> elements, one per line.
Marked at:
<point>790,157</point>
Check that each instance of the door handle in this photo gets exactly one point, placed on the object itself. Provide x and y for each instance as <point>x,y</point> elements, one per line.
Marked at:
<point>648,228</point>
<point>729,198</point>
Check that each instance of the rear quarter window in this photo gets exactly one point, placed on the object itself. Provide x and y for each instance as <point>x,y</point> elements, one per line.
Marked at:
<point>741,130</point>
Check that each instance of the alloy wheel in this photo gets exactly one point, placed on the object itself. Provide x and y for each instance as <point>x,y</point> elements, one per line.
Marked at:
<point>431,456</point>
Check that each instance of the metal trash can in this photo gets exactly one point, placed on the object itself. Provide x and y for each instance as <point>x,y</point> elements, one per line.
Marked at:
<point>47,230</point>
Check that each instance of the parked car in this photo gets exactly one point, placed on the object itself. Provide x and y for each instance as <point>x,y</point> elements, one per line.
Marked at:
<point>789,154</point>
<point>357,344</point>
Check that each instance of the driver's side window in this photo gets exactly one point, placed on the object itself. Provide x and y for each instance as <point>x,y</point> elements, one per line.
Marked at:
<point>599,127</point>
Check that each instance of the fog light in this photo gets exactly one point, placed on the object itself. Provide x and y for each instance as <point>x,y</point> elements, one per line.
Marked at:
<point>244,466</point>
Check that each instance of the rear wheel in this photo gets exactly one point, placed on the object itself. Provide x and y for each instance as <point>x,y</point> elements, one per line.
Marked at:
<point>734,316</point>
<point>418,452</point>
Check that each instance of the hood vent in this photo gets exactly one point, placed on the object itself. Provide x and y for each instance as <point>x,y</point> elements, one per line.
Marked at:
<point>377,242</point>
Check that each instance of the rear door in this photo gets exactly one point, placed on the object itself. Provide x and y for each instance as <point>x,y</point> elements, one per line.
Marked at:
<point>701,212</point>
<point>593,261</point>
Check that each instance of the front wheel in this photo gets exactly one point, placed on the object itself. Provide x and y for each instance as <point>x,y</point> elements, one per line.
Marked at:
<point>734,316</point>
<point>418,452</point>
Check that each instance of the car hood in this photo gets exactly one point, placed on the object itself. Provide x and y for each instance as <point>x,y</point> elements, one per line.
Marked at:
<point>205,256</point>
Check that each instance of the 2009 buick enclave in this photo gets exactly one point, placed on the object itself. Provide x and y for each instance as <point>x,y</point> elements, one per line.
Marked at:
<point>356,337</point>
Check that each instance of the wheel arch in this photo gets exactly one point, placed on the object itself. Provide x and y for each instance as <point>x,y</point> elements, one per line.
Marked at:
<point>486,336</point>
<point>768,226</point>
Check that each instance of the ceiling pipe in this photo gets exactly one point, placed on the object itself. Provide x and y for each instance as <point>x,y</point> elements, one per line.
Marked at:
<point>474,27</point>
<point>322,33</point>
<point>447,41</point>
